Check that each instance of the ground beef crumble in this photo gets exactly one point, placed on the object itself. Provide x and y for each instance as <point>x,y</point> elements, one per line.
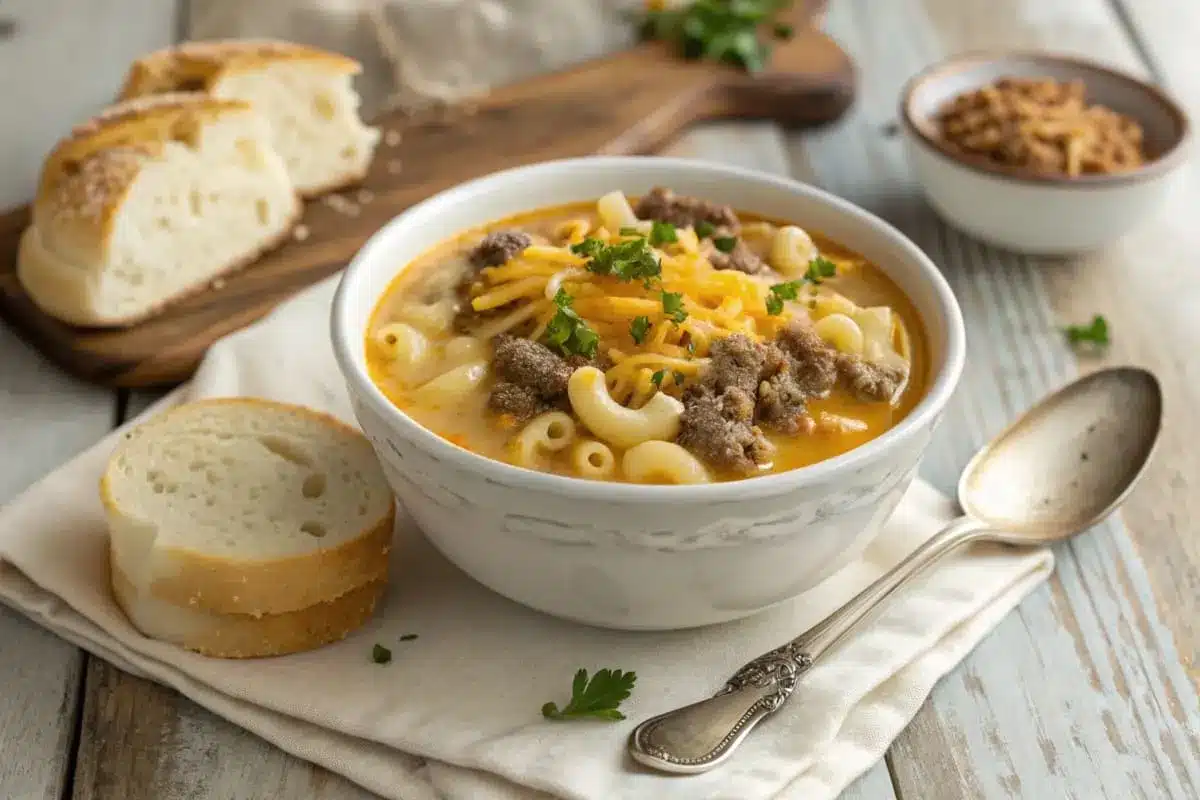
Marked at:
<point>664,205</point>
<point>813,362</point>
<point>498,247</point>
<point>871,383</point>
<point>719,429</point>
<point>741,258</point>
<point>531,378</point>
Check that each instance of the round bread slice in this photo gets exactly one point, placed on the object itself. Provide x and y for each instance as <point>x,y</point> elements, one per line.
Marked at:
<point>245,506</point>
<point>243,635</point>
<point>304,91</point>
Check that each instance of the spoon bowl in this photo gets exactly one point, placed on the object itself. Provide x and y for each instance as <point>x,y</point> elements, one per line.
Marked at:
<point>1070,460</point>
<point>1063,466</point>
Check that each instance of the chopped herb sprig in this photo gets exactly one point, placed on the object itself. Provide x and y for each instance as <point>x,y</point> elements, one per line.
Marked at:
<point>380,654</point>
<point>672,303</point>
<point>627,260</point>
<point>597,698</point>
<point>639,329</point>
<point>1094,333</point>
<point>720,30</point>
<point>818,269</point>
<point>567,332</point>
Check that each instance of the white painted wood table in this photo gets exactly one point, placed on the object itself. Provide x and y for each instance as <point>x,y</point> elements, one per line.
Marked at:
<point>1088,690</point>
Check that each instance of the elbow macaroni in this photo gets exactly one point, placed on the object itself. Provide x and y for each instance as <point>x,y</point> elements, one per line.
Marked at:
<point>791,251</point>
<point>549,432</point>
<point>452,386</point>
<point>616,213</point>
<point>656,462</point>
<point>592,459</point>
<point>841,332</point>
<point>658,419</point>
<point>403,345</point>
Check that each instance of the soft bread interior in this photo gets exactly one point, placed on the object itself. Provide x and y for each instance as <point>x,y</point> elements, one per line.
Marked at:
<point>244,505</point>
<point>195,209</point>
<point>313,112</point>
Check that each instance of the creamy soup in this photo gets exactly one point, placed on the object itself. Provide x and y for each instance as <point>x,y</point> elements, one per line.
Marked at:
<point>667,340</point>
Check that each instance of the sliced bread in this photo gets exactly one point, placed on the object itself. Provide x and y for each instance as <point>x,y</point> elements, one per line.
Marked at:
<point>245,506</point>
<point>305,92</point>
<point>151,201</point>
<point>244,635</point>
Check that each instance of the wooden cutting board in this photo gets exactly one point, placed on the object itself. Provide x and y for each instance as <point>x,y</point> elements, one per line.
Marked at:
<point>628,103</point>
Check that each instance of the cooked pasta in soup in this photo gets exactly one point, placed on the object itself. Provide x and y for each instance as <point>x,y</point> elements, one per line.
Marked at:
<point>670,340</point>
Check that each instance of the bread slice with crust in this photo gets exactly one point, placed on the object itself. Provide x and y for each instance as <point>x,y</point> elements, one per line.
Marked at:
<point>305,92</point>
<point>150,201</point>
<point>245,506</point>
<point>244,635</point>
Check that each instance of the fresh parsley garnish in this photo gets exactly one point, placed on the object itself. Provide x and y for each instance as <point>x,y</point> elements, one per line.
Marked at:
<point>719,30</point>
<point>567,332</point>
<point>662,233</point>
<point>725,244</point>
<point>704,229</point>
<point>639,328</point>
<point>597,698</point>
<point>780,292</point>
<point>781,30</point>
<point>672,303</point>
<point>691,347</point>
<point>820,268</point>
<point>408,637</point>
<point>627,260</point>
<point>1095,333</point>
<point>657,377</point>
<point>380,654</point>
<point>678,376</point>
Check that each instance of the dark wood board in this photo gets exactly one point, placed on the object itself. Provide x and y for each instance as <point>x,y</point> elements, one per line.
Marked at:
<point>630,103</point>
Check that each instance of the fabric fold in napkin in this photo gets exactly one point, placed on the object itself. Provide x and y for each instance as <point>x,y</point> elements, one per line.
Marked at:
<point>456,714</point>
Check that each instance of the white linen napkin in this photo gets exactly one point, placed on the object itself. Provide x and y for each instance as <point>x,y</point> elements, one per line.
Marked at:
<point>456,714</point>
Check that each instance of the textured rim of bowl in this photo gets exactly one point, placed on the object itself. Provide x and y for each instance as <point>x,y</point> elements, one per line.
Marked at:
<point>1164,162</point>
<point>936,397</point>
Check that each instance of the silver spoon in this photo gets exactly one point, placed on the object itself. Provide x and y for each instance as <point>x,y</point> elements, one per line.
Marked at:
<point>1062,467</point>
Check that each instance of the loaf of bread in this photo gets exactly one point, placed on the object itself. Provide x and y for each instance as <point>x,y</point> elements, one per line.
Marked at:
<point>248,527</point>
<point>150,201</point>
<point>305,92</point>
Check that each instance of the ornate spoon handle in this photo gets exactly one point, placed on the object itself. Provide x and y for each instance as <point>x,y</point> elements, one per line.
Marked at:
<point>700,736</point>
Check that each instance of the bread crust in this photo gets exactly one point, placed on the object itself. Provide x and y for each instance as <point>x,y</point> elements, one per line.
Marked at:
<point>278,586</point>
<point>87,174</point>
<point>193,66</point>
<point>245,636</point>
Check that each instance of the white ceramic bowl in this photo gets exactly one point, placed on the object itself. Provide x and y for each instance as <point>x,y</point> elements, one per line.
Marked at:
<point>628,556</point>
<point>1032,214</point>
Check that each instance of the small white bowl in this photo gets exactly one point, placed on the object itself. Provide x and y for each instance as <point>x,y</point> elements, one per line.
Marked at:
<point>1035,214</point>
<point>628,556</point>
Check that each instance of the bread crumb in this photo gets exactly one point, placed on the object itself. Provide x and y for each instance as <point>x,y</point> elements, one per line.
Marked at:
<point>300,233</point>
<point>364,196</point>
<point>391,137</point>
<point>341,204</point>
<point>393,166</point>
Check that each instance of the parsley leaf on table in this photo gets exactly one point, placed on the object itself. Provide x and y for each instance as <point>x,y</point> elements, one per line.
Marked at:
<point>380,654</point>
<point>597,698</point>
<point>1095,333</point>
